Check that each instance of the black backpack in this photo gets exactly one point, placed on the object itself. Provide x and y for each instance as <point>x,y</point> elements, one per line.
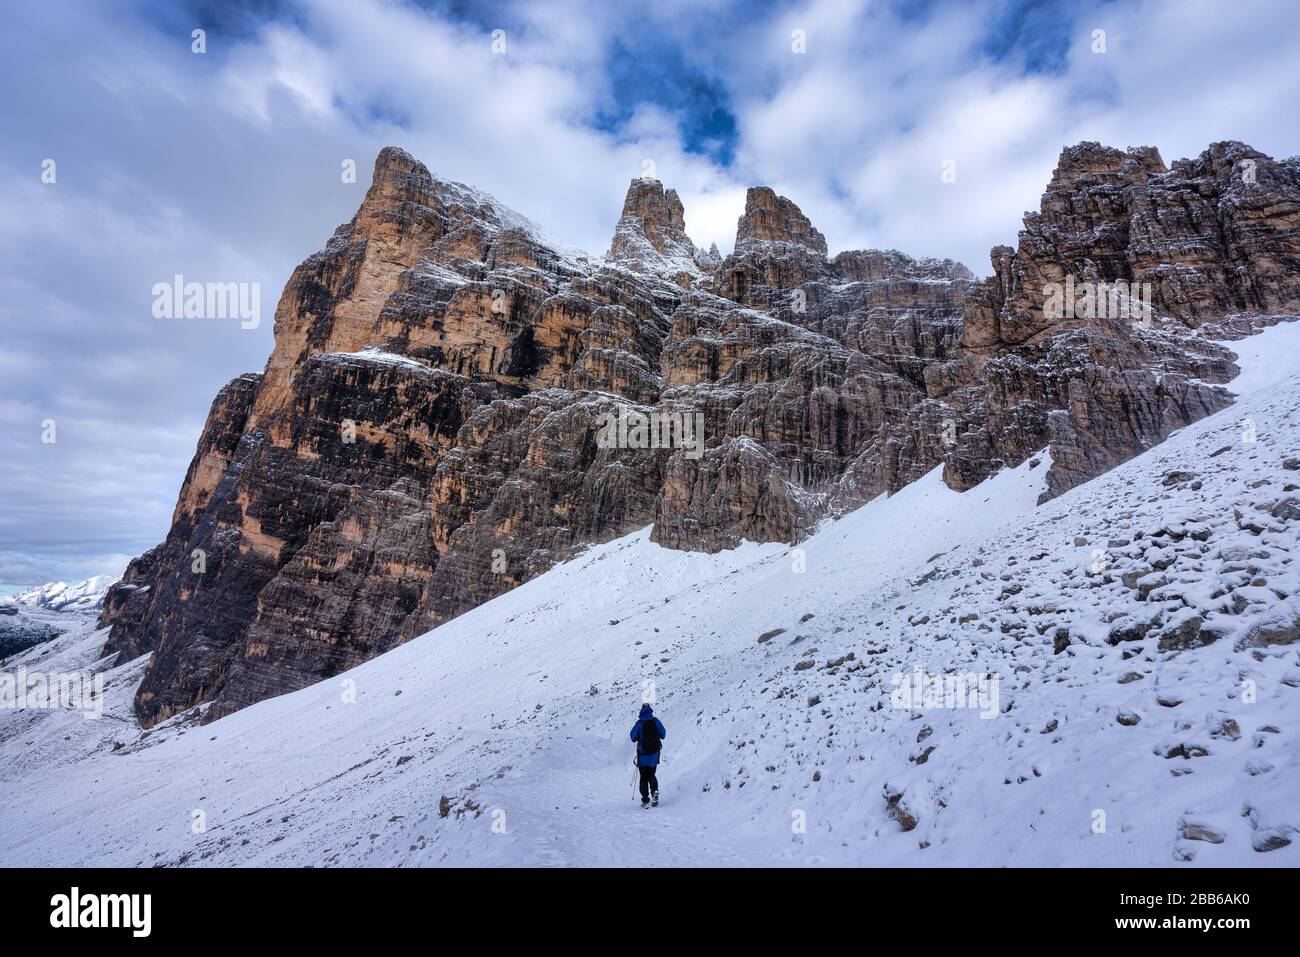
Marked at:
<point>649,742</point>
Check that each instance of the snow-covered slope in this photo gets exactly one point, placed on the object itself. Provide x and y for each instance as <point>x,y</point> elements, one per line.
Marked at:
<point>501,737</point>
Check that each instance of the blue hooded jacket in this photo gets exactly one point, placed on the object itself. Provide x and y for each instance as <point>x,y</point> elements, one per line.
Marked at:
<point>647,714</point>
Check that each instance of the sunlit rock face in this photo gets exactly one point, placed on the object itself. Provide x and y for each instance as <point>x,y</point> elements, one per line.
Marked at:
<point>434,425</point>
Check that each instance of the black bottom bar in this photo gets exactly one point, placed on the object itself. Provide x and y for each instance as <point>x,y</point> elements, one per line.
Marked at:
<point>335,906</point>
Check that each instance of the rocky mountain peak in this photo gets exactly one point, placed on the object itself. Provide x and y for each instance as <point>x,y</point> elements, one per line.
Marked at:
<point>710,260</point>
<point>1221,160</point>
<point>394,164</point>
<point>652,226</point>
<point>427,433</point>
<point>1090,164</point>
<point>772,218</point>
<point>404,192</point>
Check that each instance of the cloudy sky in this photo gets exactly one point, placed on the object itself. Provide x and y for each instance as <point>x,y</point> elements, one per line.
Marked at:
<point>225,166</point>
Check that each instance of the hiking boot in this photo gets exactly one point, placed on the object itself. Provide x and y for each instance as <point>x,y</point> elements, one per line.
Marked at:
<point>654,799</point>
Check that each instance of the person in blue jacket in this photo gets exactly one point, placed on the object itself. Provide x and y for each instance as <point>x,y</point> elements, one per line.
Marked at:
<point>648,732</point>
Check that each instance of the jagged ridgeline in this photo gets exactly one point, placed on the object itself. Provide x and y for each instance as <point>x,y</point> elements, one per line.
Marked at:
<point>427,432</point>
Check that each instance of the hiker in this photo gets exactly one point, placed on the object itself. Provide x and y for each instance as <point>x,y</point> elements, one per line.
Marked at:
<point>648,732</point>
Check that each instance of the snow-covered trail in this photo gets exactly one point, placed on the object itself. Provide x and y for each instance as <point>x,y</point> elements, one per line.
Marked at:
<point>500,738</point>
<point>575,807</point>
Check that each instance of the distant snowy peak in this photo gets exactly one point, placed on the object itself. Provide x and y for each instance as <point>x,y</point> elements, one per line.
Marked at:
<point>61,596</point>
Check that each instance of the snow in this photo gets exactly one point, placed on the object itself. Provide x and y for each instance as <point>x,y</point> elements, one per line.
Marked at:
<point>373,354</point>
<point>1266,360</point>
<point>505,217</point>
<point>61,596</point>
<point>514,717</point>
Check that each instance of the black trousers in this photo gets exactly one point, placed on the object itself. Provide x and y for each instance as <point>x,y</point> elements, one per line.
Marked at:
<point>648,781</point>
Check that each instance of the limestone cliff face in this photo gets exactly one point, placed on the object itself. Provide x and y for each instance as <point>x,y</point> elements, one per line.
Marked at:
<point>1210,237</point>
<point>431,428</point>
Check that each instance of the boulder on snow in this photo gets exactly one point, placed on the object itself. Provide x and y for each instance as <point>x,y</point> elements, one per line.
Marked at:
<point>1177,477</point>
<point>1279,625</point>
<point>1201,832</point>
<point>1269,840</point>
<point>897,810</point>
<point>1061,641</point>
<point>1185,633</point>
<point>1130,631</point>
<point>1185,750</point>
<point>1227,728</point>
